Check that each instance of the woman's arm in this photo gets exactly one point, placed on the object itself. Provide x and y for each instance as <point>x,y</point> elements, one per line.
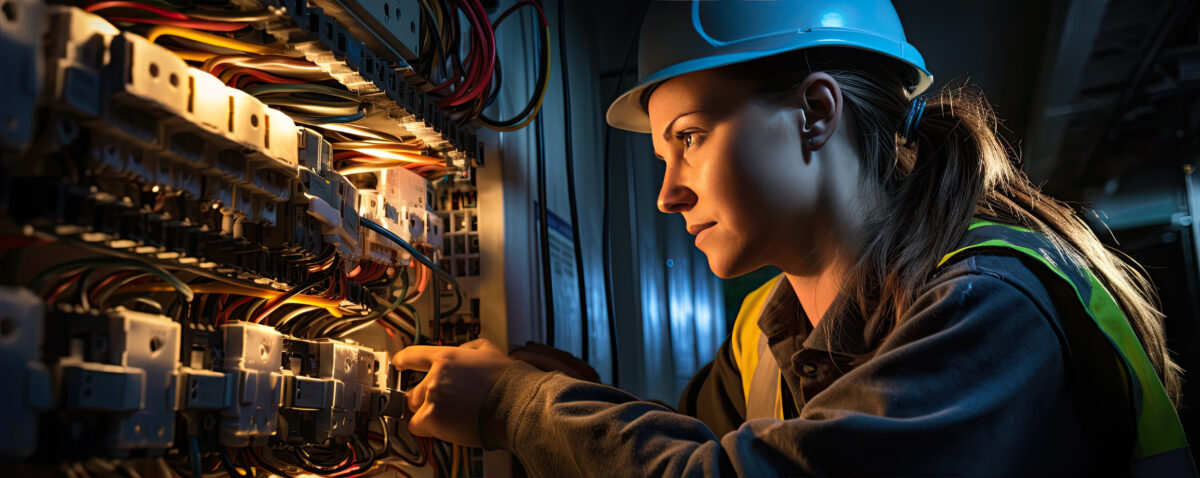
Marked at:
<point>971,383</point>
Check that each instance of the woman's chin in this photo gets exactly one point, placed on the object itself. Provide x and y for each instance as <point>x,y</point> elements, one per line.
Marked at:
<point>724,266</point>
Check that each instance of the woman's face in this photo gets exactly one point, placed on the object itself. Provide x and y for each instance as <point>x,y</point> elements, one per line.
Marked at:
<point>738,172</point>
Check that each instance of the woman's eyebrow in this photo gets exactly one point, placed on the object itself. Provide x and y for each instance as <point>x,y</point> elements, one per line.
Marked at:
<point>667,132</point>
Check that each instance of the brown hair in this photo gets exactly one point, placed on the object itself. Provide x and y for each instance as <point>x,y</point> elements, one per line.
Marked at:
<point>957,168</point>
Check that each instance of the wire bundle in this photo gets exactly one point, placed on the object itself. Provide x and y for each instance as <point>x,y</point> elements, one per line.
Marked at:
<point>467,87</point>
<point>310,104</point>
<point>211,21</point>
<point>522,119</point>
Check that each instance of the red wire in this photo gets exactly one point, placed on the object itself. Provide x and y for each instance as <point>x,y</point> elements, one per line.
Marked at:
<point>224,317</point>
<point>483,42</point>
<point>63,286</point>
<point>193,24</point>
<point>107,280</point>
<point>162,12</point>
<point>261,75</point>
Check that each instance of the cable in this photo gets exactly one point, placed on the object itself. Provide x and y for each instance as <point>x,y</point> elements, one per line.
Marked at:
<point>175,283</point>
<point>206,38</point>
<point>194,454</point>
<point>584,337</point>
<point>427,263</point>
<point>331,306</point>
<point>302,88</point>
<point>534,106</point>
<point>192,24</point>
<point>606,233</point>
<point>162,12</point>
<point>229,466</point>
<point>409,248</point>
<point>232,15</point>
<point>544,231</point>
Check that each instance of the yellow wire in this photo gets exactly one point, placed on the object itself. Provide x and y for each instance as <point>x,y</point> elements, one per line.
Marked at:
<point>206,38</point>
<point>541,94</point>
<point>454,462</point>
<point>400,155</point>
<point>215,288</point>
<point>372,168</point>
<point>417,145</point>
<point>192,55</point>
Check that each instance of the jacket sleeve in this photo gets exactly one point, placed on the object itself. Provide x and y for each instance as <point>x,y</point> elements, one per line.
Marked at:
<point>714,395</point>
<point>970,384</point>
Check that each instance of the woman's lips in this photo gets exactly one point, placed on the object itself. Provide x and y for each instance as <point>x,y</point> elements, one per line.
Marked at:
<point>696,228</point>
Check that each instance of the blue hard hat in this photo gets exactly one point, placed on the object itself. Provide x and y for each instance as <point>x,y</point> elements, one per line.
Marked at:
<point>681,37</point>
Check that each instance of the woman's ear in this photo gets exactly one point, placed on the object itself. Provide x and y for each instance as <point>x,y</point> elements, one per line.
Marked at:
<point>819,100</point>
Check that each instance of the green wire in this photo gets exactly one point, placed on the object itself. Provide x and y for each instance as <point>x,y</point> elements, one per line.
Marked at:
<point>39,280</point>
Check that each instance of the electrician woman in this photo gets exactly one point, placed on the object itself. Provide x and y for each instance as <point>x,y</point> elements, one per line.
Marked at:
<point>936,314</point>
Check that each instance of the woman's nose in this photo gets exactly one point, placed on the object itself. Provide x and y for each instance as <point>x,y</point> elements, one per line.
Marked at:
<point>674,196</point>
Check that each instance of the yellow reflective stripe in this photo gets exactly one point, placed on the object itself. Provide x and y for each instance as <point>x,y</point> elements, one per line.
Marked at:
<point>746,333</point>
<point>1159,428</point>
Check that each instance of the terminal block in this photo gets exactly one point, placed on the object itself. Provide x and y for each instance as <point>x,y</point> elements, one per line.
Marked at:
<point>28,389</point>
<point>21,70</point>
<point>78,45</point>
<point>253,356</point>
<point>118,375</point>
<point>308,396</point>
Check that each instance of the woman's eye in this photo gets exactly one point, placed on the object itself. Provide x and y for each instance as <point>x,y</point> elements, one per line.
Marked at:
<point>688,138</point>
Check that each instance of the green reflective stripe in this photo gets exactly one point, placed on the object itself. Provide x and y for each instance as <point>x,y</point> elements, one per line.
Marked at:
<point>1159,428</point>
<point>984,222</point>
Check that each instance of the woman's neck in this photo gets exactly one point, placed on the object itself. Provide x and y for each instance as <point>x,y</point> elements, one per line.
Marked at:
<point>817,292</point>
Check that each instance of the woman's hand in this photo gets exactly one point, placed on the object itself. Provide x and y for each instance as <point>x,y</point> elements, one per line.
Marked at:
<point>447,402</point>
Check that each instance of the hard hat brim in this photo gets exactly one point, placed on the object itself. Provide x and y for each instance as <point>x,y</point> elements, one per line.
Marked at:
<point>627,113</point>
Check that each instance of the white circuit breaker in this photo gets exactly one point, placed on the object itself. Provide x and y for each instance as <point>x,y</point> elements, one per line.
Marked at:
<point>253,357</point>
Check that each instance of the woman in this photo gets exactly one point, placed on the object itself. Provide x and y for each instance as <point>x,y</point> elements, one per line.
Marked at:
<point>936,315</point>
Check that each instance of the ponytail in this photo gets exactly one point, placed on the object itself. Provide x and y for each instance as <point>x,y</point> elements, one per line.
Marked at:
<point>955,169</point>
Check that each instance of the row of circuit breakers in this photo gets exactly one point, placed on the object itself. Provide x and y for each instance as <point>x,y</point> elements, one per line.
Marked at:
<point>116,382</point>
<point>254,197</point>
<point>136,112</point>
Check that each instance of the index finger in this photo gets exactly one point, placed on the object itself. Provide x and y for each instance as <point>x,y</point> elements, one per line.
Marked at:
<point>416,357</point>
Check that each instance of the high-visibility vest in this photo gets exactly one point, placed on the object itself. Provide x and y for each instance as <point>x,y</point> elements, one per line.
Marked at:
<point>1160,448</point>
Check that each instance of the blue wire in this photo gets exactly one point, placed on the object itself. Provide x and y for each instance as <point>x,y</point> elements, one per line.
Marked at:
<point>408,247</point>
<point>194,446</point>
<point>229,466</point>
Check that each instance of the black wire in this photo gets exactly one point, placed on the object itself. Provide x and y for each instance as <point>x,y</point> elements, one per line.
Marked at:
<point>399,441</point>
<point>606,234</point>
<point>544,231</point>
<point>572,204</point>
<point>266,465</point>
<point>497,81</point>
<point>542,79</point>
<point>228,464</point>
<point>436,34</point>
<point>306,459</point>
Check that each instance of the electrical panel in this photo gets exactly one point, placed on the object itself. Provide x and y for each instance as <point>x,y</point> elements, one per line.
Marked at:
<point>223,218</point>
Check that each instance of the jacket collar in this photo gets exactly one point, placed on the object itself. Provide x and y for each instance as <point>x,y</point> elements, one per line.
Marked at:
<point>842,330</point>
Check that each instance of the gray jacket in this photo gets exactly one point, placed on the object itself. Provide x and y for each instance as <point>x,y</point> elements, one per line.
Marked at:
<point>971,383</point>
